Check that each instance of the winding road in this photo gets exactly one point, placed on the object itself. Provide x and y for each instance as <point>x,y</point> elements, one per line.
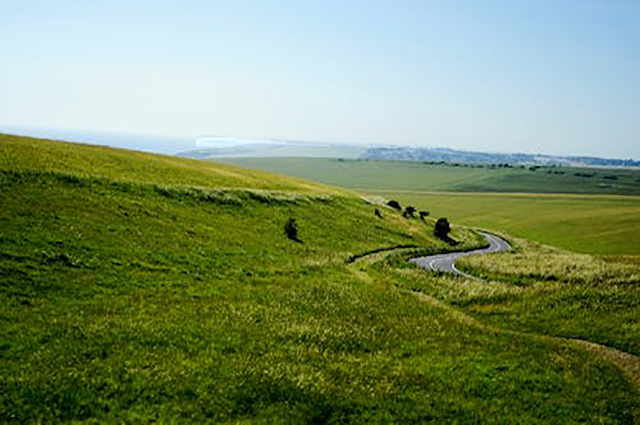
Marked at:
<point>447,262</point>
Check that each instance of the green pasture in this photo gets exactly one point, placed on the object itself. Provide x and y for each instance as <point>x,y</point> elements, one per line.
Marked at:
<point>406,175</point>
<point>142,288</point>
<point>605,225</point>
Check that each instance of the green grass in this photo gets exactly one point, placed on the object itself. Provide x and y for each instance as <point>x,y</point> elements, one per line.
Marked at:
<point>405,175</point>
<point>603,225</point>
<point>368,174</point>
<point>570,214</point>
<point>140,288</point>
<point>600,301</point>
<point>26,154</point>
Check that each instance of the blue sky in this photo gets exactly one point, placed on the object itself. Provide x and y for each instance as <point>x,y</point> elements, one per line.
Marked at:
<point>559,77</point>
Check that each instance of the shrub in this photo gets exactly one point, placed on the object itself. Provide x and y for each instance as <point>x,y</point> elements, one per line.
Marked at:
<point>291,229</point>
<point>378,213</point>
<point>409,211</point>
<point>442,229</point>
<point>423,214</point>
<point>395,205</point>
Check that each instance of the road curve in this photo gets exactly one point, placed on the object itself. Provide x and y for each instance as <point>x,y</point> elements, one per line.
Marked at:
<point>447,262</point>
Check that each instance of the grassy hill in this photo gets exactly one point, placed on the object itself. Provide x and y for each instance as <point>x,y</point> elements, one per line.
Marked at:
<point>138,287</point>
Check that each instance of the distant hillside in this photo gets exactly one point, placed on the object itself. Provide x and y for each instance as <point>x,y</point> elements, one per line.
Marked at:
<point>456,156</point>
<point>459,177</point>
<point>220,147</point>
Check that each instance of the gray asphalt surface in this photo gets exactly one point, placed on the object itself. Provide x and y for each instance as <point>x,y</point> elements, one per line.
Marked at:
<point>447,262</point>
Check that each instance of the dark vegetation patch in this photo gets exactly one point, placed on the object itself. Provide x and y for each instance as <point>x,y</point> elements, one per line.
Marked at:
<point>395,205</point>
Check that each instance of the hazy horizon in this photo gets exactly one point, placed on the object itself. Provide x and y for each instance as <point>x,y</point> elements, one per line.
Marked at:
<point>531,77</point>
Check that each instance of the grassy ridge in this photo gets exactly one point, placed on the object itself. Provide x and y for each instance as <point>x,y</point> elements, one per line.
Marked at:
<point>131,295</point>
<point>23,153</point>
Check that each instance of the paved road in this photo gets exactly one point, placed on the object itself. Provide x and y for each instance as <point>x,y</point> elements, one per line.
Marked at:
<point>447,262</point>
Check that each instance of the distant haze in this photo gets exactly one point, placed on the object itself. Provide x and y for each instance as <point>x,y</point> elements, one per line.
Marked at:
<point>533,76</point>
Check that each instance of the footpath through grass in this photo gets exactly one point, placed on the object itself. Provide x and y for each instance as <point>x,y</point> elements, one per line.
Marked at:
<point>131,295</point>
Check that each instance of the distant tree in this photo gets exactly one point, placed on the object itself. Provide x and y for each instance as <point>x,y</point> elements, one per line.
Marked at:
<point>291,229</point>
<point>378,214</point>
<point>442,229</point>
<point>409,211</point>
<point>423,214</point>
<point>395,205</point>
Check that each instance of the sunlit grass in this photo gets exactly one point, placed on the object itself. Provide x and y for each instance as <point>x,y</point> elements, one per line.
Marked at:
<point>141,297</point>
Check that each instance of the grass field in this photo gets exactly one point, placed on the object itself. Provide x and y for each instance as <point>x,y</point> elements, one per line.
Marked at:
<point>405,175</point>
<point>140,288</point>
<point>600,299</point>
<point>588,223</point>
<point>604,225</point>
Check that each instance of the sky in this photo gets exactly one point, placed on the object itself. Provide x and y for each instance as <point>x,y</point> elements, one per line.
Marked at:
<point>547,76</point>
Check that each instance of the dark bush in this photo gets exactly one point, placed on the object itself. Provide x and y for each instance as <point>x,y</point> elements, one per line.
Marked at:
<point>442,229</point>
<point>423,214</point>
<point>409,212</point>
<point>395,205</point>
<point>291,229</point>
<point>378,213</point>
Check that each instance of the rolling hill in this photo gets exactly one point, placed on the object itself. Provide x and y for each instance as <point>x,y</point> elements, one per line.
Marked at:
<point>140,287</point>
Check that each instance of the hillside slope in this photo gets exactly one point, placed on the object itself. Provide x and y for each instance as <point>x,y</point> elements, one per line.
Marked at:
<point>138,287</point>
<point>28,154</point>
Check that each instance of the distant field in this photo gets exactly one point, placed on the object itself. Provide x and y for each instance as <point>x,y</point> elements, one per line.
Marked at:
<point>595,224</point>
<point>374,174</point>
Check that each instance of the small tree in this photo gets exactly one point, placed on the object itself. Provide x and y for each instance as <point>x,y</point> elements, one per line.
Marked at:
<point>291,229</point>
<point>442,229</point>
<point>409,212</point>
<point>395,205</point>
